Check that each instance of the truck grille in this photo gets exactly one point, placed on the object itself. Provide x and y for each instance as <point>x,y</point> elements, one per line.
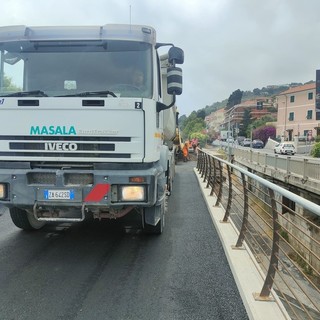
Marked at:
<point>81,179</point>
<point>64,147</point>
<point>69,179</point>
<point>41,178</point>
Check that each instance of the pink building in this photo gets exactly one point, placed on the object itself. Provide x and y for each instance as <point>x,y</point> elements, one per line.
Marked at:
<point>297,114</point>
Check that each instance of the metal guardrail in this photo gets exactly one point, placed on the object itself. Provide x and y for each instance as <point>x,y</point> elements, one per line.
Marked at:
<point>280,228</point>
<point>306,168</point>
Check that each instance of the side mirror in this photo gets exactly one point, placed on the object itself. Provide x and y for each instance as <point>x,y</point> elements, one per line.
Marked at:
<point>174,81</point>
<point>175,55</point>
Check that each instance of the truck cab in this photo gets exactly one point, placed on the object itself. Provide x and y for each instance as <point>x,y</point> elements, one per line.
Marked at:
<point>87,123</point>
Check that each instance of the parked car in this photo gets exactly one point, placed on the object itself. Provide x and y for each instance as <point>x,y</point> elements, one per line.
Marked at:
<point>230,140</point>
<point>246,142</point>
<point>257,143</point>
<point>240,139</point>
<point>285,148</point>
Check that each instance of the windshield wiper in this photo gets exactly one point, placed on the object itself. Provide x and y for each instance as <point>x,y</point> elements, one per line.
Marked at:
<point>35,93</point>
<point>104,93</point>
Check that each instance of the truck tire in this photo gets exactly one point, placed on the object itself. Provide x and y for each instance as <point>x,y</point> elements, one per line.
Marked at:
<point>158,228</point>
<point>25,220</point>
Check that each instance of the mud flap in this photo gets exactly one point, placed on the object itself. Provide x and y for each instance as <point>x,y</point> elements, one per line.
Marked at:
<point>152,215</point>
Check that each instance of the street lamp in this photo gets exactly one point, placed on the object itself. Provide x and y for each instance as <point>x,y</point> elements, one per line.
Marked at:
<point>228,136</point>
<point>230,116</point>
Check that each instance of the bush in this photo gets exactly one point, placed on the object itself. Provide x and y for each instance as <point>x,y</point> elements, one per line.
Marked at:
<point>202,138</point>
<point>315,152</point>
<point>264,133</point>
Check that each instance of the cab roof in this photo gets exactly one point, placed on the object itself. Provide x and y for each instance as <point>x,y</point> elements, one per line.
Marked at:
<point>56,33</point>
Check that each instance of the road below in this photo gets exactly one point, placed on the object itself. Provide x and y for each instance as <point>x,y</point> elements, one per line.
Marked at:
<point>111,270</point>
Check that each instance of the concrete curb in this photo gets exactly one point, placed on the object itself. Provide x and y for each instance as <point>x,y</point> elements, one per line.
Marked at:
<point>246,272</point>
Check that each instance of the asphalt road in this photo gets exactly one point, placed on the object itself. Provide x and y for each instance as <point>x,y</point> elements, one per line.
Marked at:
<point>110,270</point>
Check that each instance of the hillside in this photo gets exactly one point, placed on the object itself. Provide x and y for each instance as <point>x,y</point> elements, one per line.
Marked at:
<point>268,91</point>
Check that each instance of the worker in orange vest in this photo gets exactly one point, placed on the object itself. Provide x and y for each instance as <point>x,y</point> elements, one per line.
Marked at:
<point>185,151</point>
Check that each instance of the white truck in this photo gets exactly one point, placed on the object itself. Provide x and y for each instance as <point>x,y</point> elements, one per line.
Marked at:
<point>87,123</point>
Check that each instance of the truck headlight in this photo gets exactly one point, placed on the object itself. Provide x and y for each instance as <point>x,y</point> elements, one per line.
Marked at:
<point>3,190</point>
<point>132,193</point>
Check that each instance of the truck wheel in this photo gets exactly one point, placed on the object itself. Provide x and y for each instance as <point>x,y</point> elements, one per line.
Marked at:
<point>158,228</point>
<point>25,220</point>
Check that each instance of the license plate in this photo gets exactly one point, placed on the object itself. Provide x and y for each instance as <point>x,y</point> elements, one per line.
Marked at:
<point>59,194</point>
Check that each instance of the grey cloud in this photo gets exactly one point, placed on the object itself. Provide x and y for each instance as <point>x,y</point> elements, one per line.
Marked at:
<point>228,44</point>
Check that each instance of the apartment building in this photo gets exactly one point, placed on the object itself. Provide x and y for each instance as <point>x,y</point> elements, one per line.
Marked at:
<point>297,113</point>
<point>234,117</point>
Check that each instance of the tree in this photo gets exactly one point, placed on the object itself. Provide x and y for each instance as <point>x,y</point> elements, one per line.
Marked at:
<point>202,138</point>
<point>9,86</point>
<point>315,152</point>
<point>192,125</point>
<point>234,99</point>
<point>246,122</point>
<point>264,133</point>
<point>201,114</point>
<point>262,122</point>
<point>256,92</point>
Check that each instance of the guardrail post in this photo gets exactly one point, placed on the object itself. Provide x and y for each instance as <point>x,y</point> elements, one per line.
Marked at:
<point>204,166</point>
<point>201,162</point>
<point>245,213</point>
<point>209,179</point>
<point>227,212</point>
<point>214,175</point>
<point>198,159</point>
<point>274,258</point>
<point>305,163</point>
<point>207,172</point>
<point>288,165</point>
<point>219,179</point>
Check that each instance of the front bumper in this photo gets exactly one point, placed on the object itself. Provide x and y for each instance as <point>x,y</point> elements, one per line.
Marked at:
<point>92,189</point>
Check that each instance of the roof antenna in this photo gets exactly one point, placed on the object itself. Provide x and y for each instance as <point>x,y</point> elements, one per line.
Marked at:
<point>130,16</point>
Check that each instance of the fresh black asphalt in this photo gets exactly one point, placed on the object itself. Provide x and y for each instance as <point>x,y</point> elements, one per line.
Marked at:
<point>111,270</point>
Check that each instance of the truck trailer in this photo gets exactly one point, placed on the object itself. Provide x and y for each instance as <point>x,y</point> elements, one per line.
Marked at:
<point>88,119</point>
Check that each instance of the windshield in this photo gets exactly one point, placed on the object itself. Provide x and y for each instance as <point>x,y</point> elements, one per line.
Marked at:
<point>68,68</point>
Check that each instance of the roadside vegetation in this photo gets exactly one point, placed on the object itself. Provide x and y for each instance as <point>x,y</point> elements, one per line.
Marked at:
<point>315,151</point>
<point>195,126</point>
<point>9,86</point>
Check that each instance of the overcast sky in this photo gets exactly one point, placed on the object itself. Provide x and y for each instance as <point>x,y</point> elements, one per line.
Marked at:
<point>228,44</point>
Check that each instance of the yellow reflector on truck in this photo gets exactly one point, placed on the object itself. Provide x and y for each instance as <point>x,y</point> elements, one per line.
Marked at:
<point>137,179</point>
<point>132,193</point>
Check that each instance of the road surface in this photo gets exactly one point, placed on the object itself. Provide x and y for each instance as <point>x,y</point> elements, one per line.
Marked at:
<point>111,270</point>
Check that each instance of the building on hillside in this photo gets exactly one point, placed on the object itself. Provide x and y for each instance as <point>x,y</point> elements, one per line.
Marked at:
<point>297,114</point>
<point>234,117</point>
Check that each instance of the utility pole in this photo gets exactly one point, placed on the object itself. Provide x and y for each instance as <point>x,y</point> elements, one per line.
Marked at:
<point>228,136</point>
